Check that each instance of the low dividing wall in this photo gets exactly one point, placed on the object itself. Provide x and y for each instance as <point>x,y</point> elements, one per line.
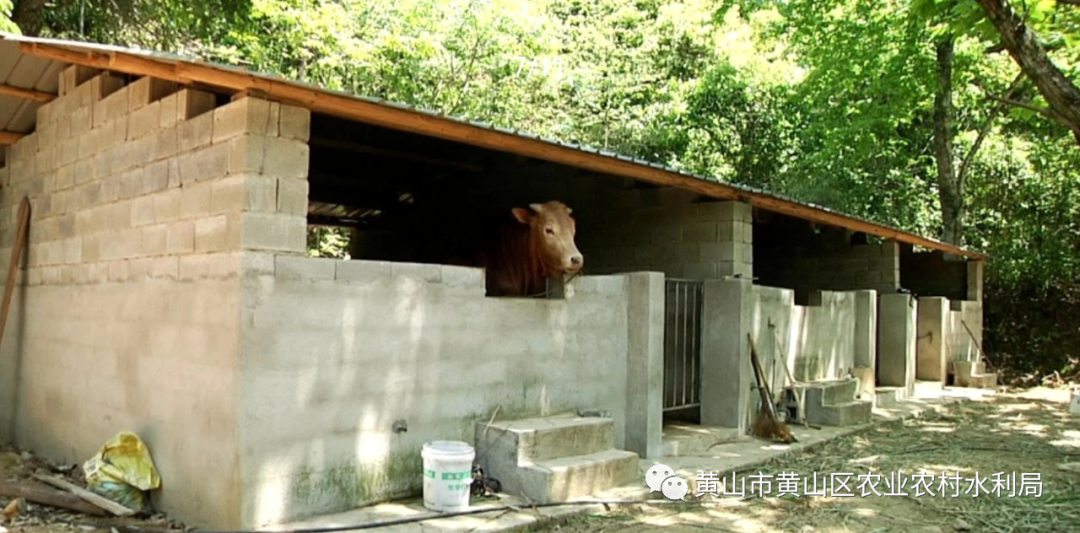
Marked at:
<point>335,352</point>
<point>815,341</point>
<point>960,346</point>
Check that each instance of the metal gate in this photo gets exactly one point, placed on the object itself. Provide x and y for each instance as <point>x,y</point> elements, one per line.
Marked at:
<point>682,344</point>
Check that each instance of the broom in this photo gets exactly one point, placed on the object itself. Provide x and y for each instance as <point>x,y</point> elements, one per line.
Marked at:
<point>766,426</point>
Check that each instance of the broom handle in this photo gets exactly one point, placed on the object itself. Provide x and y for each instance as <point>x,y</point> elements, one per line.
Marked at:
<point>13,267</point>
<point>758,373</point>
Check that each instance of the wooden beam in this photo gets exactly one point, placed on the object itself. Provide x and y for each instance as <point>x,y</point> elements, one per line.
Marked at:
<point>8,138</point>
<point>393,154</point>
<point>403,119</point>
<point>27,94</point>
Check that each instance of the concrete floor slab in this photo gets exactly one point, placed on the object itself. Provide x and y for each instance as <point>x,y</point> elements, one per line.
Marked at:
<point>722,459</point>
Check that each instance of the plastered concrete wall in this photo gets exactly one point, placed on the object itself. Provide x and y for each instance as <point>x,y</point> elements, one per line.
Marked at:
<point>959,345</point>
<point>145,197</point>
<point>816,341</point>
<point>334,352</point>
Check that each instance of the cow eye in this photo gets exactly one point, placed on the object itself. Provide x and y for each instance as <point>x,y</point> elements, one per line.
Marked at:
<point>550,231</point>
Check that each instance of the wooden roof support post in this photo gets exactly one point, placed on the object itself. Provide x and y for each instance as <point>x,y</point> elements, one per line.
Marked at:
<point>8,138</point>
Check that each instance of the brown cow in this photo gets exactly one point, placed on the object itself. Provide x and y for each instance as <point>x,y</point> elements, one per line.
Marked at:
<point>525,254</point>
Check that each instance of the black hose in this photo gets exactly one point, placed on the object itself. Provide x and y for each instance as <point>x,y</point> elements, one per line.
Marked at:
<point>415,519</point>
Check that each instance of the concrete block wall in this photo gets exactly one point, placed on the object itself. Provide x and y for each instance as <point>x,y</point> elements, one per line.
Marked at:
<point>830,264</point>
<point>146,198</point>
<point>929,274</point>
<point>959,343</point>
<point>700,240</point>
<point>335,352</point>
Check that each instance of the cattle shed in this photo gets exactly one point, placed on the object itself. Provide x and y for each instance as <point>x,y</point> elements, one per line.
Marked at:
<point>166,288</point>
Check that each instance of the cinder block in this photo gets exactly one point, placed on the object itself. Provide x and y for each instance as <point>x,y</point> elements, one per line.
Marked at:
<point>167,205</point>
<point>69,152</point>
<point>72,250</point>
<point>174,174</point>
<point>246,115</point>
<point>195,200</point>
<point>167,142</point>
<point>700,232</point>
<point>292,196</point>
<point>169,116</point>
<point>196,132</point>
<point>121,158</point>
<point>144,121</point>
<point>274,232</point>
<point>142,211</point>
<point>119,270</point>
<point>206,164</point>
<point>700,270</point>
<point>74,76</point>
<point>147,90</point>
<point>110,107</point>
<point>247,154</point>
<point>191,103</point>
<point>227,195</point>
<point>295,123</point>
<point>300,268</point>
<point>286,158</point>
<point>131,183</point>
<point>181,237</point>
<point>155,239</point>
<point>130,242</point>
<point>82,121</point>
<point>210,234</point>
<point>45,114</point>
<point>91,249</point>
<point>155,178</point>
<point>138,269</point>
<point>165,267</point>
<point>667,234</point>
<point>262,194</point>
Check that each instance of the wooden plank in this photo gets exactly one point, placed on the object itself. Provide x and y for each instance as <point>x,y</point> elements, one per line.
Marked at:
<point>50,497</point>
<point>28,94</point>
<point>414,122</point>
<point>8,138</point>
<point>13,263</point>
<point>100,501</point>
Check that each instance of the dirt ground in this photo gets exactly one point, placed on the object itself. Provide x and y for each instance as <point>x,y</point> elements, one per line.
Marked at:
<point>17,468</point>
<point>1021,433</point>
<point>1010,433</point>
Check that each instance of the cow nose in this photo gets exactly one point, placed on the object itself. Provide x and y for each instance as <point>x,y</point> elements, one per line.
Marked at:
<point>577,260</point>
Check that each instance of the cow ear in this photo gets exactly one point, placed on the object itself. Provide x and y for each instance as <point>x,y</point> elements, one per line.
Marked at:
<point>522,215</point>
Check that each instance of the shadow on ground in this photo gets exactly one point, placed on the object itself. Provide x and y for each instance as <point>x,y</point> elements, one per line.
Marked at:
<point>1011,446</point>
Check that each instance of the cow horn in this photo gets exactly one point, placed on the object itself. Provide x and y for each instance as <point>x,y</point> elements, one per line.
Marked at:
<point>536,207</point>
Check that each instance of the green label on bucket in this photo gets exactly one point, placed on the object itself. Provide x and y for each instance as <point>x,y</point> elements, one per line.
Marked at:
<point>456,475</point>
<point>429,473</point>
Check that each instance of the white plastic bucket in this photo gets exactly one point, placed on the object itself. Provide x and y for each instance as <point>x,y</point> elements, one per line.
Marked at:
<point>447,475</point>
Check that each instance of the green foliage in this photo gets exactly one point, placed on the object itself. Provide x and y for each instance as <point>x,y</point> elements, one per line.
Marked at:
<point>6,25</point>
<point>328,241</point>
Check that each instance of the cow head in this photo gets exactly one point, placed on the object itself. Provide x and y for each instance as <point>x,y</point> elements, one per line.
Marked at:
<point>551,230</point>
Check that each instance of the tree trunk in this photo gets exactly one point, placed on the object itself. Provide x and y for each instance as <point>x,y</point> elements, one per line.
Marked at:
<point>1060,92</point>
<point>949,189</point>
<point>29,16</point>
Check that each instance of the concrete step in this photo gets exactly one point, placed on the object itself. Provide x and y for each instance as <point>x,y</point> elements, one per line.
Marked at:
<point>683,439</point>
<point>852,413</point>
<point>830,392</point>
<point>540,439</point>
<point>886,396</point>
<point>968,368</point>
<point>575,477</point>
<point>928,389</point>
<point>977,381</point>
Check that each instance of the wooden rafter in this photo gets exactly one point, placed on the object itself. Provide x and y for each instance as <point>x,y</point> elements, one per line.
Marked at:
<point>8,138</point>
<point>408,120</point>
<point>28,94</point>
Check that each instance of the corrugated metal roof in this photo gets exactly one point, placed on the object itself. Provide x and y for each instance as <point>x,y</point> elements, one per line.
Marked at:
<point>26,71</point>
